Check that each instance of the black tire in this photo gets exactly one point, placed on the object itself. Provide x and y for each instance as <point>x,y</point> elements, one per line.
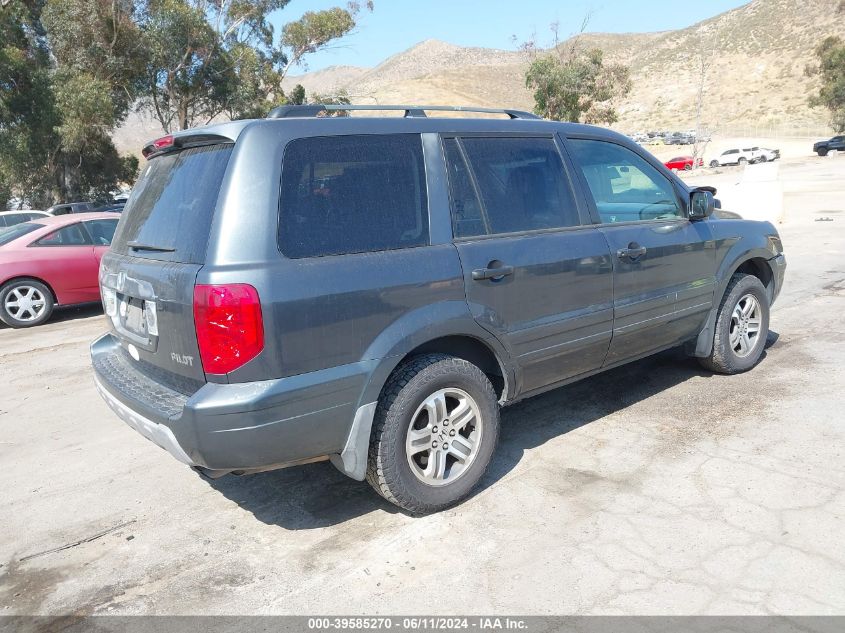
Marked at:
<point>723,358</point>
<point>388,469</point>
<point>822,152</point>
<point>21,285</point>
<point>742,161</point>
<point>687,167</point>
<point>714,163</point>
<point>762,159</point>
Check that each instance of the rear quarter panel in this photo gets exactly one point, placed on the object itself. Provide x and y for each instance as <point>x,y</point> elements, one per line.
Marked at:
<point>70,271</point>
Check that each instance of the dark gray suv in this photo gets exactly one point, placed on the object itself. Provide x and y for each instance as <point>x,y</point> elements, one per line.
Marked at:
<point>371,290</point>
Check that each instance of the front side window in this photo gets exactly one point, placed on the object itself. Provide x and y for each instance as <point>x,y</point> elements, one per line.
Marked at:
<point>353,194</point>
<point>521,181</point>
<point>72,235</point>
<point>624,186</point>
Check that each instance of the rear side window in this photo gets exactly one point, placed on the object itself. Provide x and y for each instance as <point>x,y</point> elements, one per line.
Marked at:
<point>73,235</point>
<point>352,194</point>
<point>522,184</point>
<point>101,231</point>
<point>172,205</point>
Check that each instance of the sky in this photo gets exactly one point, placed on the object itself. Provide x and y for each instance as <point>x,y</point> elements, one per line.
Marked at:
<point>396,25</point>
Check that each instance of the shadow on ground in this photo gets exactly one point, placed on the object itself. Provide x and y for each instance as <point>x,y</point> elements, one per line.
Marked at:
<point>317,495</point>
<point>70,313</point>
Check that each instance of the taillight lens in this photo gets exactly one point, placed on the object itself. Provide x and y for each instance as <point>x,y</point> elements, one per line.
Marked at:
<point>230,330</point>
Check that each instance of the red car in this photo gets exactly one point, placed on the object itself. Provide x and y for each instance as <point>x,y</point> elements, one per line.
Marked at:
<point>683,162</point>
<point>51,261</point>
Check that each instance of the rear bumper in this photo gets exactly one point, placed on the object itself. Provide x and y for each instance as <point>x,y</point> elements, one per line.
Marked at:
<point>239,426</point>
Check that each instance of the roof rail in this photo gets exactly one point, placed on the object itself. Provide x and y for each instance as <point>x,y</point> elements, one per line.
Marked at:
<point>290,111</point>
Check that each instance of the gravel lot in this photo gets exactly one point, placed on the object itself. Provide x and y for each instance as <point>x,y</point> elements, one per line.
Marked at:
<point>656,488</point>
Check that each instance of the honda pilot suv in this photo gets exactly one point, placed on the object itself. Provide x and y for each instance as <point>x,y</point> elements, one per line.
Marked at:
<point>370,290</point>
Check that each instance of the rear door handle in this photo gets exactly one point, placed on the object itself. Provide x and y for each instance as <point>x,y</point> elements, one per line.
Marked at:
<point>479,274</point>
<point>633,253</point>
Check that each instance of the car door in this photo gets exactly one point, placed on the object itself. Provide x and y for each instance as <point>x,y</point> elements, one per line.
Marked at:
<point>102,234</point>
<point>65,260</point>
<point>537,274</point>
<point>664,265</point>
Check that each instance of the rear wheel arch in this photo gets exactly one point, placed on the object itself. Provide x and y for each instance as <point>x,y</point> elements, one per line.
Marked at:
<point>31,278</point>
<point>473,351</point>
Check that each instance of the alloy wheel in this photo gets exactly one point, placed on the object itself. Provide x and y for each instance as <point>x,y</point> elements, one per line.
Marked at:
<point>444,437</point>
<point>25,303</point>
<point>745,325</point>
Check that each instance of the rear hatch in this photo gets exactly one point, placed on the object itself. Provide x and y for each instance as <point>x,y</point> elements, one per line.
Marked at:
<point>147,278</point>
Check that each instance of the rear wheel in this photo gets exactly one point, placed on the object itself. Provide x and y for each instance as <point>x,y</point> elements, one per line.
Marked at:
<point>25,303</point>
<point>435,430</point>
<point>688,166</point>
<point>742,161</point>
<point>742,326</point>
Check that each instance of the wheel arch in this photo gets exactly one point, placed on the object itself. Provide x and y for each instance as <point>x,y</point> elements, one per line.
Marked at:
<point>11,280</point>
<point>754,263</point>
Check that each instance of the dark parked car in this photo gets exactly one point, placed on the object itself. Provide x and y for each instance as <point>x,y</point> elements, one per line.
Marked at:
<point>823,147</point>
<point>370,290</point>
<point>72,207</point>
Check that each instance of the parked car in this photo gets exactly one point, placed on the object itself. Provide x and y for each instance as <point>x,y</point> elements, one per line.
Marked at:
<point>72,207</point>
<point>371,290</point>
<point>51,261</point>
<point>10,218</point>
<point>734,157</point>
<point>683,162</point>
<point>677,138</point>
<point>823,147</point>
<point>764,154</point>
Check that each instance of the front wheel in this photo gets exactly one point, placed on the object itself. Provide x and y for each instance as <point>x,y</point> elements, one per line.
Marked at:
<point>714,163</point>
<point>434,433</point>
<point>25,303</point>
<point>687,167</point>
<point>742,162</point>
<point>742,326</point>
<point>822,152</point>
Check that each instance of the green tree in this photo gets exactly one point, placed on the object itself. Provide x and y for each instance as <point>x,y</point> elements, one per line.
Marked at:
<point>831,70</point>
<point>209,58</point>
<point>69,71</point>
<point>576,85</point>
<point>297,95</point>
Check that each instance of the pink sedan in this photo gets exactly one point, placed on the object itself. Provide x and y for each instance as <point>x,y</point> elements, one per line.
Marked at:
<point>51,261</point>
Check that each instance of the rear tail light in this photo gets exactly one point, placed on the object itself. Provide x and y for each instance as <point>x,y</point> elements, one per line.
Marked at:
<point>230,330</point>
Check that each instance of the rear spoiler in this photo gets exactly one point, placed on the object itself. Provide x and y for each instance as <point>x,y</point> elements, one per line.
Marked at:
<point>171,143</point>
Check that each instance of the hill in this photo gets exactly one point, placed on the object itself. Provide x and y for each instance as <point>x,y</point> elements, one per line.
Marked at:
<point>756,56</point>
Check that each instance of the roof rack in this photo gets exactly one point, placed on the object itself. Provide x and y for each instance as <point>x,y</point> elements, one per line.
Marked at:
<point>290,111</point>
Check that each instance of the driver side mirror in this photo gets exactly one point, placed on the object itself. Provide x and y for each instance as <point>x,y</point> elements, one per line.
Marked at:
<point>701,205</point>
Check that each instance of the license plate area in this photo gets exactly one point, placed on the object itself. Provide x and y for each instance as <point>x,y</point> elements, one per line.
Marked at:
<point>137,321</point>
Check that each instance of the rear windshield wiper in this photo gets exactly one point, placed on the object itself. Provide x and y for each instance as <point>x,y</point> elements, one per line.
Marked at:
<point>135,246</point>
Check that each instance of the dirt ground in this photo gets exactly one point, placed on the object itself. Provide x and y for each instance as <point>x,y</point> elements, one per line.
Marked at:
<point>656,488</point>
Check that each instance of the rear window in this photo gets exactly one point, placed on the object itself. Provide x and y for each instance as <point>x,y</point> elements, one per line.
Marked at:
<point>352,194</point>
<point>172,205</point>
<point>11,233</point>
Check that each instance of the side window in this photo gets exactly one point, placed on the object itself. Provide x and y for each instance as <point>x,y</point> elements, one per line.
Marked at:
<point>101,231</point>
<point>522,184</point>
<point>61,210</point>
<point>625,187</point>
<point>72,235</point>
<point>353,194</point>
<point>467,217</point>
